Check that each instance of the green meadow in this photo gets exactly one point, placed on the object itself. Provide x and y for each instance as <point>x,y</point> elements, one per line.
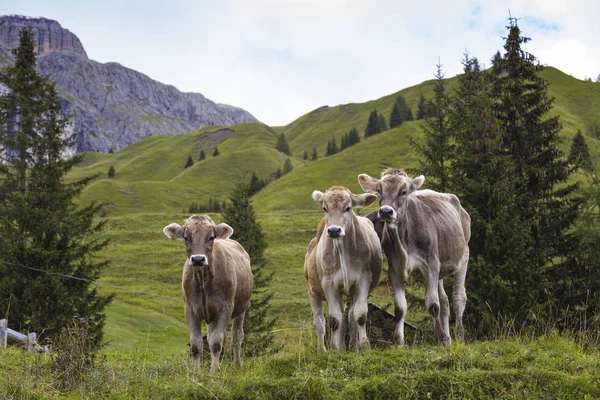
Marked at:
<point>146,334</point>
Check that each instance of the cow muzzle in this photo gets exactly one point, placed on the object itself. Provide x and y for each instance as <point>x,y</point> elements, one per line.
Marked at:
<point>335,231</point>
<point>199,260</point>
<point>386,213</point>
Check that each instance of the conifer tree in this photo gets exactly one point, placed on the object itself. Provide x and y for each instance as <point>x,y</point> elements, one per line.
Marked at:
<point>41,226</point>
<point>372,127</point>
<point>202,155</point>
<point>353,137</point>
<point>287,166</point>
<point>422,111</point>
<point>395,116</point>
<point>550,270</point>
<point>436,148</point>
<point>282,145</point>
<point>344,143</point>
<point>255,185</point>
<point>409,115</point>
<point>579,155</point>
<point>240,215</point>
<point>382,123</point>
<point>189,162</point>
<point>216,152</point>
<point>111,172</point>
<point>305,156</point>
<point>314,154</point>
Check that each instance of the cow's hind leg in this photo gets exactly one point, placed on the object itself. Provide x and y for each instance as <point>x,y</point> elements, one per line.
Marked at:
<point>459,297</point>
<point>400,306</point>
<point>216,337</point>
<point>196,341</point>
<point>238,338</point>
<point>316,304</point>
<point>444,338</point>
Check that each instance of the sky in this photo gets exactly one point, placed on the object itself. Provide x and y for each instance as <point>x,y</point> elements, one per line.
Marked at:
<point>280,59</point>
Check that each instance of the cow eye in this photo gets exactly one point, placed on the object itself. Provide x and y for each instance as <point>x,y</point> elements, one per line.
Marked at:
<point>325,209</point>
<point>210,239</point>
<point>187,239</point>
<point>348,209</point>
<point>404,192</point>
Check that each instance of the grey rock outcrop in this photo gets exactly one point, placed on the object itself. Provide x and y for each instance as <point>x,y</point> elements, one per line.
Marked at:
<point>113,106</point>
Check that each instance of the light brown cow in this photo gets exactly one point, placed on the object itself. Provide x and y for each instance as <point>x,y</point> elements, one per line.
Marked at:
<point>217,285</point>
<point>343,260</point>
<point>423,231</point>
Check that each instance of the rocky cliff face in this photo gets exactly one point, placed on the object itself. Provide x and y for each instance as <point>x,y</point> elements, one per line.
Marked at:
<point>113,106</point>
<point>49,34</point>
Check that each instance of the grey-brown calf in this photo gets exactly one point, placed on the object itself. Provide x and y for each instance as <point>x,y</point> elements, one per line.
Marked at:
<point>427,231</point>
<point>217,285</point>
<point>343,261</point>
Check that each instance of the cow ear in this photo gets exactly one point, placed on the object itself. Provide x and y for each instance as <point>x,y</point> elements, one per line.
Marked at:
<point>368,184</point>
<point>418,181</point>
<point>173,231</point>
<point>318,196</point>
<point>363,200</point>
<point>223,231</point>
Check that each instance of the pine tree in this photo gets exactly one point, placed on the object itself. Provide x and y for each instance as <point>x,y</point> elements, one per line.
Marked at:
<point>314,154</point>
<point>372,127</point>
<point>287,166</point>
<point>111,151</point>
<point>282,145</point>
<point>395,116</point>
<point>240,215</point>
<point>353,137</point>
<point>550,271</point>
<point>41,226</point>
<point>422,111</point>
<point>579,155</point>
<point>305,156</point>
<point>382,123</point>
<point>111,172</point>
<point>189,162</point>
<point>409,115</point>
<point>496,62</point>
<point>216,152</point>
<point>202,155</point>
<point>436,148</point>
<point>255,185</point>
<point>332,147</point>
<point>344,143</point>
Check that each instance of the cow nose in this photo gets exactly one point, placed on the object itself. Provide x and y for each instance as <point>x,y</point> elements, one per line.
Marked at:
<point>386,212</point>
<point>198,260</point>
<point>334,231</point>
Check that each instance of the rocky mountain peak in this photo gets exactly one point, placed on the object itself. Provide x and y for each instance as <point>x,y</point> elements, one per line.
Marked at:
<point>51,37</point>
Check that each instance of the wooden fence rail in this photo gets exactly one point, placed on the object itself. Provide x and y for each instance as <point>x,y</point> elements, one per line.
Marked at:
<point>31,339</point>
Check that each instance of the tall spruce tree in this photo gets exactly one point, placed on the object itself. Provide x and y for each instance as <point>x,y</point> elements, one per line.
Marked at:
<point>353,136</point>
<point>282,145</point>
<point>314,154</point>
<point>41,225</point>
<point>305,156</point>
<point>287,166</point>
<point>395,116</point>
<point>549,265</point>
<point>202,155</point>
<point>382,123</point>
<point>372,127</point>
<point>111,172</point>
<point>240,215</point>
<point>579,155</point>
<point>189,162</point>
<point>422,111</point>
<point>216,152</point>
<point>436,148</point>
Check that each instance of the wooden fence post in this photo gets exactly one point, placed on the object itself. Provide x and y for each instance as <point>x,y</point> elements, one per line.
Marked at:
<point>3,333</point>
<point>32,338</point>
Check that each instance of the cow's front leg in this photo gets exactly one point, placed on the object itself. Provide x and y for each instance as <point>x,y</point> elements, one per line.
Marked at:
<point>316,304</point>
<point>238,338</point>
<point>216,337</point>
<point>358,314</point>
<point>400,307</point>
<point>337,327</point>
<point>196,342</point>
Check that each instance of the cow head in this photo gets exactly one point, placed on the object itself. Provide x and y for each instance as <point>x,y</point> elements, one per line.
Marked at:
<point>199,234</point>
<point>393,188</point>
<point>337,203</point>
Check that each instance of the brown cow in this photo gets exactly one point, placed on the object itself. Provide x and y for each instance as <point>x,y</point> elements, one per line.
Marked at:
<point>426,231</point>
<point>344,260</point>
<point>217,285</point>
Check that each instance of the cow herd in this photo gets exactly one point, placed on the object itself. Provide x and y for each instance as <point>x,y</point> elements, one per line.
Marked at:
<point>418,230</point>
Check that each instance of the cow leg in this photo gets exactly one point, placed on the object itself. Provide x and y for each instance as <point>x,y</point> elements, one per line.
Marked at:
<point>444,313</point>
<point>432,300</point>
<point>336,318</point>
<point>358,314</point>
<point>316,304</point>
<point>400,306</point>
<point>216,337</point>
<point>196,341</point>
<point>353,327</point>
<point>238,338</point>
<point>459,299</point>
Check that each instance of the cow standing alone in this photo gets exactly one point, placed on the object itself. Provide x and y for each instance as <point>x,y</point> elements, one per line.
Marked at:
<point>343,260</point>
<point>427,231</point>
<point>217,285</point>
